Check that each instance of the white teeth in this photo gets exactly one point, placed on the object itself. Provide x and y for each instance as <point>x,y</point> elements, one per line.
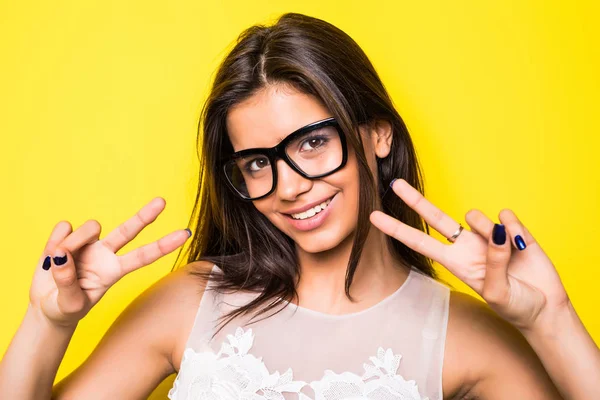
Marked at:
<point>313,211</point>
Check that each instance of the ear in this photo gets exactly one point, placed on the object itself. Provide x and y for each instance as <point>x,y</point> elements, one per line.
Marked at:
<point>381,137</point>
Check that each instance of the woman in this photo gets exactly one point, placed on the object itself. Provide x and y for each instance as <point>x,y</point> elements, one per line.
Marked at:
<point>307,276</point>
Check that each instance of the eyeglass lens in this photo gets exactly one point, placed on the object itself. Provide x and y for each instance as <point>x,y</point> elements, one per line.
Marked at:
<point>315,153</point>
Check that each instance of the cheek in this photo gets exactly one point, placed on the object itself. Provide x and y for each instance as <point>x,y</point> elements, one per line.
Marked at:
<point>352,192</point>
<point>346,183</point>
<point>264,206</point>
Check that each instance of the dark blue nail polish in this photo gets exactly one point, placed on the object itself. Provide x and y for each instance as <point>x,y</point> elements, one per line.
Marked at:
<point>499,234</point>
<point>60,260</point>
<point>520,242</point>
<point>46,264</point>
<point>392,182</point>
<point>189,232</point>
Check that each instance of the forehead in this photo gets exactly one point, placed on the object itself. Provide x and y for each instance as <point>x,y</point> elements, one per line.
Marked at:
<point>271,114</point>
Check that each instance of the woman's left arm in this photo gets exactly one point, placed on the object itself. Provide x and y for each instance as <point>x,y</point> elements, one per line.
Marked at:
<point>568,353</point>
<point>521,285</point>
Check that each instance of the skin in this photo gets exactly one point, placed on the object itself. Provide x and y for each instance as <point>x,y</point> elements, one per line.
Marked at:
<point>482,350</point>
<point>262,121</point>
<point>485,355</point>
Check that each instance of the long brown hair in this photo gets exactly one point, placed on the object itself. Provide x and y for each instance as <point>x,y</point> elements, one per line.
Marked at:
<point>316,58</point>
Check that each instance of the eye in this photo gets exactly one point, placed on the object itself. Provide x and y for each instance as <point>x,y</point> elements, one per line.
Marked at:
<point>257,164</point>
<point>313,143</point>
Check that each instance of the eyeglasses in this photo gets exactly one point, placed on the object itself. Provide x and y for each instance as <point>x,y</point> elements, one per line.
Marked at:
<point>313,151</point>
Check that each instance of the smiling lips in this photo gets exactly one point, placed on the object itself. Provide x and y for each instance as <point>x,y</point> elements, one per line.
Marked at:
<point>311,218</point>
<point>312,211</point>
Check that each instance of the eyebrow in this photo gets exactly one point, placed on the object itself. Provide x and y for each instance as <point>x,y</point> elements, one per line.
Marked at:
<point>280,138</point>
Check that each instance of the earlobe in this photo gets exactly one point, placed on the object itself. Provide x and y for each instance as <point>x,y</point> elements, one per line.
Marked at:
<point>381,133</point>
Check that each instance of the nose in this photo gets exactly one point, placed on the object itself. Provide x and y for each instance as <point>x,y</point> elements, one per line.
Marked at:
<point>290,184</point>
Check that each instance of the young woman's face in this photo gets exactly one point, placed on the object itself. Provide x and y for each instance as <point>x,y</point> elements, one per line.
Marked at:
<point>262,121</point>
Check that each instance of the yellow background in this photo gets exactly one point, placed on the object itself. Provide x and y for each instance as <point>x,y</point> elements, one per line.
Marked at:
<point>99,103</point>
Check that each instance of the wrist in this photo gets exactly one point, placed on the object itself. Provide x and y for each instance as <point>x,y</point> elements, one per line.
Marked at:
<point>560,339</point>
<point>37,317</point>
<point>554,323</point>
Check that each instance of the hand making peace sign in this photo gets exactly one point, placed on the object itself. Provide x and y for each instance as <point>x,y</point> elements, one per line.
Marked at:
<point>65,290</point>
<point>522,286</point>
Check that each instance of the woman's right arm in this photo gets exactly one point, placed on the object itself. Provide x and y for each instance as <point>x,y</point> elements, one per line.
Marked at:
<point>62,293</point>
<point>139,350</point>
<point>29,366</point>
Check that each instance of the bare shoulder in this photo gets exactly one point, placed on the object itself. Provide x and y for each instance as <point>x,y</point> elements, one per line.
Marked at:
<point>187,289</point>
<point>145,340</point>
<point>467,319</point>
<point>486,357</point>
<point>170,306</point>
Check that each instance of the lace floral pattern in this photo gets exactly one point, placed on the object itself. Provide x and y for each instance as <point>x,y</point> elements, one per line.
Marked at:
<point>234,374</point>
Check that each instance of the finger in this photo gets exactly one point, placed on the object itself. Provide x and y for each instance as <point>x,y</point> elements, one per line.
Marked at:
<point>496,289</point>
<point>519,235</point>
<point>479,223</point>
<point>71,299</point>
<point>435,217</point>
<point>413,238</point>
<point>129,229</point>
<point>87,233</point>
<point>151,252</point>
<point>60,231</point>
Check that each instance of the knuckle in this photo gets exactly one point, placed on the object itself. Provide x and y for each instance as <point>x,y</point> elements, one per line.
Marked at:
<point>161,250</point>
<point>66,279</point>
<point>495,262</point>
<point>416,203</point>
<point>122,229</point>
<point>142,256</point>
<point>396,232</point>
<point>437,215</point>
<point>145,221</point>
<point>492,296</point>
<point>420,246</point>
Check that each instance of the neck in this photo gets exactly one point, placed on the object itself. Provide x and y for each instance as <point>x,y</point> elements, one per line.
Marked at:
<point>321,286</point>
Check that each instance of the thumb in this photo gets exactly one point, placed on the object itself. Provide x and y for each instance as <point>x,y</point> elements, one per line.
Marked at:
<point>70,299</point>
<point>496,289</point>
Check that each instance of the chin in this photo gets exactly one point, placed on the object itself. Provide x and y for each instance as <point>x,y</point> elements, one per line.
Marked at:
<point>315,247</point>
<point>318,242</point>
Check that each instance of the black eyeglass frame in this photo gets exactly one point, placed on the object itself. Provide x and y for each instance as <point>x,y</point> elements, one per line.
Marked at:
<point>278,152</point>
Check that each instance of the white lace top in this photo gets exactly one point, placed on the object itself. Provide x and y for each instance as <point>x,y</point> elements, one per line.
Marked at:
<point>390,351</point>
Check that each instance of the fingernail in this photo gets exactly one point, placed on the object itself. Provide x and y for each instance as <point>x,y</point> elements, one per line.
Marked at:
<point>46,264</point>
<point>520,242</point>
<point>59,258</point>
<point>499,234</point>
<point>392,182</point>
<point>189,232</point>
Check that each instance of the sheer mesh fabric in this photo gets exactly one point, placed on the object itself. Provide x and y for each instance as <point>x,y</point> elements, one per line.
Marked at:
<point>390,351</point>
